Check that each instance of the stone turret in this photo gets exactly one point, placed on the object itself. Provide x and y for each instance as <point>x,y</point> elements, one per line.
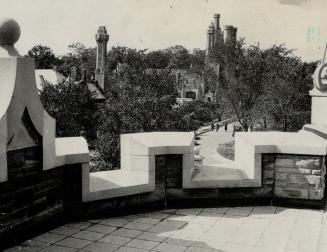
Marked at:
<point>215,37</point>
<point>102,39</point>
<point>212,35</point>
<point>216,18</point>
<point>231,33</point>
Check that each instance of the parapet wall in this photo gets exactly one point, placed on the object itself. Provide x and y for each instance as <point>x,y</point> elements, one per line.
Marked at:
<point>45,180</point>
<point>45,198</point>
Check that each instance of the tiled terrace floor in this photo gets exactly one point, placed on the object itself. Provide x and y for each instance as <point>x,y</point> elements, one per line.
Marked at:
<point>241,229</point>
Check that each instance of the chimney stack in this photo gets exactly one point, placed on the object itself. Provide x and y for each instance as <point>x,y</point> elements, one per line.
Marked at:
<point>83,75</point>
<point>73,73</point>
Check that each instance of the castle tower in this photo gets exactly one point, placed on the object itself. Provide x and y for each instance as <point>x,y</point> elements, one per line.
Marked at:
<point>102,39</point>
<point>216,18</point>
<point>210,39</point>
<point>231,33</point>
<point>216,23</point>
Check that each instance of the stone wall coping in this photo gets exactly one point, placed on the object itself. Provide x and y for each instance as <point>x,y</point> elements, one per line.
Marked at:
<point>318,129</point>
<point>71,150</point>
<point>302,142</point>
<point>153,139</point>
<point>137,173</point>
<point>157,143</point>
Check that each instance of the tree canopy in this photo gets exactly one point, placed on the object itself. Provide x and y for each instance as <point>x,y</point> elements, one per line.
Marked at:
<point>44,57</point>
<point>266,84</point>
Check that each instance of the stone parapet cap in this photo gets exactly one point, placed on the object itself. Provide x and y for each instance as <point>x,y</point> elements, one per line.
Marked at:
<point>302,142</point>
<point>317,93</point>
<point>318,129</point>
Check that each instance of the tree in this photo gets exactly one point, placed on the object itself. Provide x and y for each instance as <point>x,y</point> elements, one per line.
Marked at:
<point>123,55</point>
<point>242,81</point>
<point>286,88</point>
<point>139,101</point>
<point>72,106</point>
<point>192,115</point>
<point>158,59</point>
<point>197,60</point>
<point>179,57</point>
<point>270,83</point>
<point>80,57</point>
<point>43,56</point>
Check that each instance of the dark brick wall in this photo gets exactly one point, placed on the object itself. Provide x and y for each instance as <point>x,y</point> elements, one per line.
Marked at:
<point>174,171</point>
<point>30,196</point>
<point>33,199</point>
<point>300,176</point>
<point>76,209</point>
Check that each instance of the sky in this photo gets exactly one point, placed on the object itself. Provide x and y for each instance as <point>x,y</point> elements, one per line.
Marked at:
<point>157,24</point>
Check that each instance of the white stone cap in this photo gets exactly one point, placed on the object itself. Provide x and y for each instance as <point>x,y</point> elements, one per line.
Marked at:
<point>157,143</point>
<point>154,139</point>
<point>302,142</point>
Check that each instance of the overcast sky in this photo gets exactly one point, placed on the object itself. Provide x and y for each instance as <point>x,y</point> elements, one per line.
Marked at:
<point>156,24</point>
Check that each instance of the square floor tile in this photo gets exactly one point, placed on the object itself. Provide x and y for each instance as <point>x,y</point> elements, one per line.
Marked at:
<point>64,230</point>
<point>105,229</point>
<point>55,248</point>
<point>129,249</point>
<point>73,243</point>
<point>88,235</point>
<point>115,222</point>
<point>147,220</point>
<point>165,247</point>
<point>101,247</point>
<point>149,236</point>
<point>142,244</point>
<point>129,233</point>
<point>49,237</point>
<point>138,226</point>
<point>79,225</point>
<point>118,240</point>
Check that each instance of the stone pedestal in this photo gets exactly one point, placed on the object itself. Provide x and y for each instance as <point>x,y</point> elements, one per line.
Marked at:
<point>319,96</point>
<point>318,107</point>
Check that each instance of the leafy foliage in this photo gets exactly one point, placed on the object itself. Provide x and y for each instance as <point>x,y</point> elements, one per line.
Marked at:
<point>139,101</point>
<point>72,106</point>
<point>80,57</point>
<point>270,83</point>
<point>43,56</point>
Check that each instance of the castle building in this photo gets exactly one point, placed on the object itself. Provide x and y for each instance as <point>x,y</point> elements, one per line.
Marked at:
<point>218,41</point>
<point>191,86</point>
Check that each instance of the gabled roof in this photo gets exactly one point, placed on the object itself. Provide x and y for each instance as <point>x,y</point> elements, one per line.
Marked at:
<point>48,75</point>
<point>97,94</point>
<point>54,77</point>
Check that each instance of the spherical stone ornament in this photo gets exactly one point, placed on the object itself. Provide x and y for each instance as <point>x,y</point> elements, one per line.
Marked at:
<point>9,31</point>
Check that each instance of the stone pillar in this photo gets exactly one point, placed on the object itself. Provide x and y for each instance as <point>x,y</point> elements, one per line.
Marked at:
<point>319,96</point>
<point>102,39</point>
